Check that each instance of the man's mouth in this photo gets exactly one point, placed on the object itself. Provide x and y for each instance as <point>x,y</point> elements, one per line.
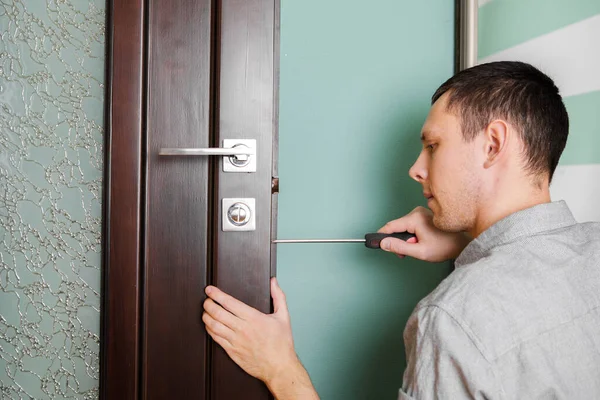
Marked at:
<point>428,195</point>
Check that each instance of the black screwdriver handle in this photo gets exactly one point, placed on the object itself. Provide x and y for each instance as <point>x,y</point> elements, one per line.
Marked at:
<point>372,240</point>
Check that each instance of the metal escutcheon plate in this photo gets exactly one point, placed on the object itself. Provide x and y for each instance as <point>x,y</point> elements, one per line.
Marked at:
<point>238,214</point>
<point>243,163</point>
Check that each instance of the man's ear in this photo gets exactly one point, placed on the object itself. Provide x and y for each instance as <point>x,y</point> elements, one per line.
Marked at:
<point>496,142</point>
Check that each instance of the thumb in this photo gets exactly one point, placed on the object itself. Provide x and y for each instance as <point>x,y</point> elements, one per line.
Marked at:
<point>409,248</point>
<point>279,303</point>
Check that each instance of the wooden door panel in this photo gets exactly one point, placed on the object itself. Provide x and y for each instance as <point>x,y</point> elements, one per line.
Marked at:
<point>193,72</point>
<point>179,100</point>
<point>246,111</point>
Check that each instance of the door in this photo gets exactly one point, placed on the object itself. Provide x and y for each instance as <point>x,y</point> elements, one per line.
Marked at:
<point>188,77</point>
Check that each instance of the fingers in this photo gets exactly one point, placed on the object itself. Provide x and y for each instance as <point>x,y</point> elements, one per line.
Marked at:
<point>221,341</point>
<point>412,240</point>
<point>409,248</point>
<point>230,303</point>
<point>279,303</point>
<point>217,328</point>
<point>408,223</point>
<point>221,315</point>
<point>397,225</point>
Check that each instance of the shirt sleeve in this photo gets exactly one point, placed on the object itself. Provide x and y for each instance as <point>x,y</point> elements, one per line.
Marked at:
<point>443,361</point>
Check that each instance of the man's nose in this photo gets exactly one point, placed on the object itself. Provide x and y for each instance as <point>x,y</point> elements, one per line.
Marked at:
<point>419,170</point>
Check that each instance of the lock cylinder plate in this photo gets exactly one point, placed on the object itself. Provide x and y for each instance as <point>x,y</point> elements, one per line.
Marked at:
<point>238,214</point>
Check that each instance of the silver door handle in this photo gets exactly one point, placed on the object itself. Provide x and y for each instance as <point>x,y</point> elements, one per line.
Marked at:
<point>211,151</point>
<point>239,155</point>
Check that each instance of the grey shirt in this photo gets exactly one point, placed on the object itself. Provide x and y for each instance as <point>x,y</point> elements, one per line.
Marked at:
<point>519,317</point>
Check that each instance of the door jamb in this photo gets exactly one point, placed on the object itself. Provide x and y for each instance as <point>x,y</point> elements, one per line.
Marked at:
<point>122,200</point>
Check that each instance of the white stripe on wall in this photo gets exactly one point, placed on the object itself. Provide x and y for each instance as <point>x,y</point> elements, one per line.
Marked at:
<point>579,186</point>
<point>570,56</point>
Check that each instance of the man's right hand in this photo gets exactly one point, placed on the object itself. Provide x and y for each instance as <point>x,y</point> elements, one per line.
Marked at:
<point>431,243</point>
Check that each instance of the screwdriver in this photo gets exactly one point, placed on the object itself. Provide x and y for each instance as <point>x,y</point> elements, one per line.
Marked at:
<point>371,240</point>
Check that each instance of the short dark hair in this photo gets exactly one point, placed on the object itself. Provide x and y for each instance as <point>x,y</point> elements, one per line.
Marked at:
<point>520,94</point>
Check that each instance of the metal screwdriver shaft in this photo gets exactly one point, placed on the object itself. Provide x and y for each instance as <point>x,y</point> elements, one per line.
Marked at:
<point>371,240</point>
<point>319,241</point>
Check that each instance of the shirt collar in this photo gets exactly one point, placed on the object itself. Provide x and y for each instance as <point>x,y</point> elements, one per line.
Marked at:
<point>531,221</point>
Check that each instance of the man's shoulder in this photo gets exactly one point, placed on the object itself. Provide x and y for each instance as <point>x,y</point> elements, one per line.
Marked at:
<point>517,265</point>
<point>463,297</point>
<point>465,285</point>
<point>521,289</point>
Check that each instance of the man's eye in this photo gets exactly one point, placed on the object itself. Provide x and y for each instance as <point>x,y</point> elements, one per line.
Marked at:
<point>431,147</point>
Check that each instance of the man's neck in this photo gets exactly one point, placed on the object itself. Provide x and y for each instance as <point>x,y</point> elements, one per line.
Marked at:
<point>510,202</point>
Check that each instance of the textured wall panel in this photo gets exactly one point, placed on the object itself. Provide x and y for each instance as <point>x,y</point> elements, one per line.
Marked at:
<point>51,114</point>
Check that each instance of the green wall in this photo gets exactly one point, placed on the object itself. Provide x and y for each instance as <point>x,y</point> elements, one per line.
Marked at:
<point>508,27</point>
<point>506,23</point>
<point>584,128</point>
<point>356,82</point>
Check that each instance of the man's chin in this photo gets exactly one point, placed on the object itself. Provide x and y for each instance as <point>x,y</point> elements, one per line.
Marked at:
<point>438,225</point>
<point>438,221</point>
<point>445,224</point>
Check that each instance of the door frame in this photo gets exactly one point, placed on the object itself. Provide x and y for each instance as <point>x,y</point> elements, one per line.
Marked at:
<point>465,34</point>
<point>122,207</point>
<point>123,231</point>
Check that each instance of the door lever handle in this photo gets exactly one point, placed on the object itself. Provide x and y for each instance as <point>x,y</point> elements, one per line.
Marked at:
<point>239,155</point>
<point>211,151</point>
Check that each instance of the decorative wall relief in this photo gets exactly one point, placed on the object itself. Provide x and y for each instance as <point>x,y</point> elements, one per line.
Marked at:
<point>52,55</point>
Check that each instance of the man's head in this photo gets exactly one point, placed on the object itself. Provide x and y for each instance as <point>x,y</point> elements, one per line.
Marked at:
<point>493,130</point>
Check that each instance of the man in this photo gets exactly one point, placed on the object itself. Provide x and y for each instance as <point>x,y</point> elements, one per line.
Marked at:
<point>519,317</point>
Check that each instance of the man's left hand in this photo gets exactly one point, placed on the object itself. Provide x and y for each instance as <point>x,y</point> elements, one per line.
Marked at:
<point>261,344</point>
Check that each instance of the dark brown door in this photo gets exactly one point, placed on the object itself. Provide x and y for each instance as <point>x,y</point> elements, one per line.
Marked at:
<point>178,200</point>
<point>203,72</point>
